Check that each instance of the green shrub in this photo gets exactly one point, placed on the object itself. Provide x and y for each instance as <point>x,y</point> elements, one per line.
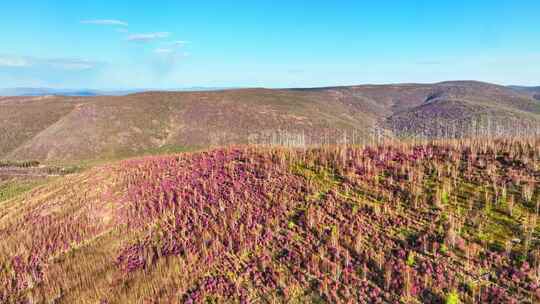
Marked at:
<point>452,298</point>
<point>445,198</point>
<point>411,258</point>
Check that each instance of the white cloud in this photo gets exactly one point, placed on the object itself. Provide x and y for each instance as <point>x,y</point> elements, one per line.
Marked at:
<point>14,62</point>
<point>105,22</point>
<point>71,64</point>
<point>147,37</point>
<point>68,64</point>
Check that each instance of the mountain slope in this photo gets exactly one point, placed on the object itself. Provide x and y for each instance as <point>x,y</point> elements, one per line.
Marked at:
<point>462,108</point>
<point>534,92</point>
<point>75,128</point>
<point>131,124</point>
<point>21,119</point>
<point>388,224</point>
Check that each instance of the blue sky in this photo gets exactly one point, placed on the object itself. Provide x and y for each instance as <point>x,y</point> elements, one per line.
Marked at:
<point>173,44</point>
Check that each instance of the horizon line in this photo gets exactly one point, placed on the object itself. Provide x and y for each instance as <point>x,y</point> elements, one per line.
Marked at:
<point>203,87</point>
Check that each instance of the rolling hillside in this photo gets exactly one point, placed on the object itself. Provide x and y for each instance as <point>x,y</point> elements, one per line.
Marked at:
<point>532,91</point>
<point>442,222</point>
<point>77,128</point>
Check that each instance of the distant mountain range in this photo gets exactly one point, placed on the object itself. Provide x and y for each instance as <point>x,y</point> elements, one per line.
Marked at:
<point>90,92</point>
<point>531,90</point>
<point>525,88</point>
<point>59,92</point>
<point>534,92</point>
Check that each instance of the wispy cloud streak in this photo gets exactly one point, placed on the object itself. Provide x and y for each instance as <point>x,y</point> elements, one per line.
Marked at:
<point>68,64</point>
<point>105,22</point>
<point>14,62</point>
<point>147,37</point>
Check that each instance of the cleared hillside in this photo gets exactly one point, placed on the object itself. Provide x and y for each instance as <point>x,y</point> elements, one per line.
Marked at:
<point>71,129</point>
<point>428,223</point>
